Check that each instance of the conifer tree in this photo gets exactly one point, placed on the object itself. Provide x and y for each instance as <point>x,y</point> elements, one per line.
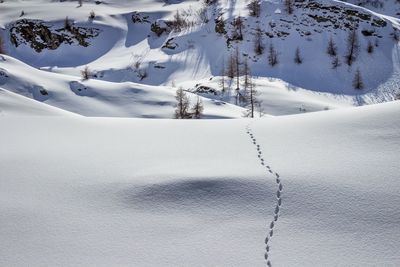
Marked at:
<point>183,104</point>
<point>352,47</point>
<point>332,48</point>
<point>2,48</point>
<point>357,81</point>
<point>297,56</point>
<point>272,56</point>
<point>258,42</point>
<point>198,108</point>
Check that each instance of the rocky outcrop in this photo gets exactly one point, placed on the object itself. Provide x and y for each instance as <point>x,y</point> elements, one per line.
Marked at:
<point>40,36</point>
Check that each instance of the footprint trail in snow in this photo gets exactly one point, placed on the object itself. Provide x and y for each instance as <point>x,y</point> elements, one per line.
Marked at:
<point>278,181</point>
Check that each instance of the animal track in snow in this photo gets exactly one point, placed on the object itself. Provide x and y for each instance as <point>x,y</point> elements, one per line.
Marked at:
<point>278,195</point>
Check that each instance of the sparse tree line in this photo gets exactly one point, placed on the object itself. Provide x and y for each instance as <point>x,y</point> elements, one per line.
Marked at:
<point>351,54</point>
<point>239,73</point>
<point>183,19</point>
<point>238,70</point>
<point>184,109</point>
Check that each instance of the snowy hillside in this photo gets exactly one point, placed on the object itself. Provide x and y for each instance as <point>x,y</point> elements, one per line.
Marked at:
<point>14,104</point>
<point>191,44</point>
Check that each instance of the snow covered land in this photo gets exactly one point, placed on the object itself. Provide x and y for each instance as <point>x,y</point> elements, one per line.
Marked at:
<point>199,133</point>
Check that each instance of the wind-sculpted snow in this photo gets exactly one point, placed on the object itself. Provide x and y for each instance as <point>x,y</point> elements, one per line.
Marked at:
<point>196,193</point>
<point>222,196</point>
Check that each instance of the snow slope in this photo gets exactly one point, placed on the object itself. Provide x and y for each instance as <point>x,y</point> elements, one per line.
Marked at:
<point>17,105</point>
<point>108,191</point>
<point>200,51</point>
<point>100,98</point>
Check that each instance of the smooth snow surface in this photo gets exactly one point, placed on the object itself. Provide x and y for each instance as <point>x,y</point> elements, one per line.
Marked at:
<point>100,192</point>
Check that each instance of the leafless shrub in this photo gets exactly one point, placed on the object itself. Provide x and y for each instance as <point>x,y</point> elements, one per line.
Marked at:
<point>86,73</point>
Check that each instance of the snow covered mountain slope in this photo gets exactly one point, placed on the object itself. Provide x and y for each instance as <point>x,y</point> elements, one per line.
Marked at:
<point>100,98</point>
<point>125,42</point>
<point>194,193</point>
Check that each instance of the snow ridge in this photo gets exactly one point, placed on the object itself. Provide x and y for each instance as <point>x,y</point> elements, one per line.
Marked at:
<point>278,194</point>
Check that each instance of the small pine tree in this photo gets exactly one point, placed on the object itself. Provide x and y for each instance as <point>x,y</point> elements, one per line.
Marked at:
<point>252,101</point>
<point>179,22</point>
<point>197,109</point>
<point>352,47</point>
<point>332,48</point>
<point>247,74</point>
<point>222,80</point>
<point>238,24</point>
<point>396,35</point>
<point>2,49</point>
<point>254,8</point>
<point>297,56</point>
<point>357,81</point>
<point>370,48</point>
<point>237,65</point>
<point>231,66</point>
<point>258,43</point>
<point>272,56</point>
<point>260,108</point>
<point>289,6</point>
<point>183,103</point>
<point>335,62</point>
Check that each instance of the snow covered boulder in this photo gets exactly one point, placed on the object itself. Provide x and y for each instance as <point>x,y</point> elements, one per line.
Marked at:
<point>159,27</point>
<point>203,89</point>
<point>80,89</point>
<point>40,93</point>
<point>170,44</point>
<point>139,18</point>
<point>3,76</point>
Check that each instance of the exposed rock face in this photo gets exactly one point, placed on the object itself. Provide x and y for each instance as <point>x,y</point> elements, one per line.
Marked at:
<point>139,18</point>
<point>159,27</point>
<point>220,25</point>
<point>40,36</point>
<point>170,44</point>
<point>339,17</point>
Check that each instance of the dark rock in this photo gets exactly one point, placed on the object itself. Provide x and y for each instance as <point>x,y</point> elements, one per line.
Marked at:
<point>40,36</point>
